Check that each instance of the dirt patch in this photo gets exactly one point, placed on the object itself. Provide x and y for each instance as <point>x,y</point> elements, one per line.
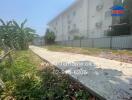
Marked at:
<point>119,57</point>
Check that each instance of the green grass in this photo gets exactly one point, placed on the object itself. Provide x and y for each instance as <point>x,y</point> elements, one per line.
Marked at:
<point>0,51</point>
<point>25,81</point>
<point>87,51</point>
<point>118,55</point>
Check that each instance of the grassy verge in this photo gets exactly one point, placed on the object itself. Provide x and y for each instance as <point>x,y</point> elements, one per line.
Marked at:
<point>0,51</point>
<point>119,55</point>
<point>88,51</point>
<point>25,81</point>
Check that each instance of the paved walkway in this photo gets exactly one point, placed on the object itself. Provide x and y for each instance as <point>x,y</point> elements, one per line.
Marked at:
<point>108,78</point>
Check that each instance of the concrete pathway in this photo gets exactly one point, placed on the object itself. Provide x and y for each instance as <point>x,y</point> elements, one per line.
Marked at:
<point>108,78</point>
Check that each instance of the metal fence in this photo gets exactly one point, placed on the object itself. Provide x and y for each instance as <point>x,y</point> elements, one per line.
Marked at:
<point>114,42</point>
<point>39,41</point>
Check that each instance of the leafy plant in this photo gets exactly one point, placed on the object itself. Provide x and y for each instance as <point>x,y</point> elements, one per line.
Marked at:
<point>24,82</point>
<point>78,37</point>
<point>49,37</point>
<point>15,35</point>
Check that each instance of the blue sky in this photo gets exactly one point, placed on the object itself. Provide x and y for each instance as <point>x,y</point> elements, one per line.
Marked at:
<point>38,12</point>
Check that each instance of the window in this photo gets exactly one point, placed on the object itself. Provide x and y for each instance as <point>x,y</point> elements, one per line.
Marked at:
<point>68,37</point>
<point>74,13</point>
<point>107,14</point>
<point>74,26</point>
<point>68,16</point>
<point>54,28</point>
<point>117,1</point>
<point>68,27</point>
<point>56,23</point>
<point>69,21</point>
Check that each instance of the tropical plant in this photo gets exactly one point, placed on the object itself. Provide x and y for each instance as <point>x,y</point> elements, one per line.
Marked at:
<point>76,37</point>
<point>49,37</point>
<point>128,11</point>
<point>23,81</point>
<point>125,25</point>
<point>6,32</point>
<point>15,35</point>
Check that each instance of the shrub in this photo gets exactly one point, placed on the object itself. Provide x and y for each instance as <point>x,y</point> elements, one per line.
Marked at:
<point>78,37</point>
<point>118,30</point>
<point>15,36</point>
<point>49,37</point>
<point>24,82</point>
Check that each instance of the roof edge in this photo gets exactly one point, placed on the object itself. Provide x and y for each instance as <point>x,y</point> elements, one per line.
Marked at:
<point>61,13</point>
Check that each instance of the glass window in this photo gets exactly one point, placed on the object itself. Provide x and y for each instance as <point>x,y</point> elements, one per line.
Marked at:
<point>74,26</point>
<point>69,22</point>
<point>107,14</point>
<point>56,23</point>
<point>74,13</point>
<point>68,27</point>
<point>68,16</point>
<point>54,28</point>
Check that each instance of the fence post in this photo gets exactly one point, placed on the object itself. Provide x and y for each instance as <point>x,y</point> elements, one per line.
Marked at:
<point>65,42</point>
<point>72,42</point>
<point>111,42</point>
<point>80,43</point>
<point>92,42</point>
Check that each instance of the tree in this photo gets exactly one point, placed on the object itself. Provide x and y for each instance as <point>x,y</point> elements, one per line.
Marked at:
<point>125,25</point>
<point>15,35</point>
<point>49,37</point>
<point>128,11</point>
<point>6,32</point>
<point>117,30</point>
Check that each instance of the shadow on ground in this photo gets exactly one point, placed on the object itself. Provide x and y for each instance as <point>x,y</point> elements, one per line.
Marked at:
<point>112,84</point>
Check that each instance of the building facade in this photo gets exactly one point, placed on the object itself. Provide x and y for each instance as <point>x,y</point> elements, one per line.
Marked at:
<point>84,18</point>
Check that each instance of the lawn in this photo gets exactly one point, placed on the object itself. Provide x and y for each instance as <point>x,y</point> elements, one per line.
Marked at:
<point>119,55</point>
<point>28,78</point>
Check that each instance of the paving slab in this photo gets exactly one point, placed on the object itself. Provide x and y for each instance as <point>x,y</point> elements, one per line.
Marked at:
<point>108,78</point>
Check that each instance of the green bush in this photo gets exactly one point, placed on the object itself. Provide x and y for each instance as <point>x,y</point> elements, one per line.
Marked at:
<point>21,79</point>
<point>24,82</point>
<point>78,37</point>
<point>119,30</point>
<point>0,49</point>
<point>49,37</point>
<point>14,35</point>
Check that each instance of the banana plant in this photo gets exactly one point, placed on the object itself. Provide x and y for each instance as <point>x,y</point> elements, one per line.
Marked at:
<point>25,34</point>
<point>6,32</point>
<point>16,35</point>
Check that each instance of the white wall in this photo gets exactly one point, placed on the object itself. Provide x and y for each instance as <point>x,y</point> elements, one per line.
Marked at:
<point>82,16</point>
<point>98,16</point>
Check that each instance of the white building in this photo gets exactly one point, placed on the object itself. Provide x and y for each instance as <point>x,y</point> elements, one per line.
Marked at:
<point>84,18</point>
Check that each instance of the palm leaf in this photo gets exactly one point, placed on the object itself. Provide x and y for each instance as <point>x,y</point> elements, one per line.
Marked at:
<point>3,23</point>
<point>16,24</point>
<point>23,23</point>
<point>28,29</point>
<point>9,23</point>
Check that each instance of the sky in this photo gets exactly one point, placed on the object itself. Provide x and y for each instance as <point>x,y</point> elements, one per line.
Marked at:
<point>37,12</point>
